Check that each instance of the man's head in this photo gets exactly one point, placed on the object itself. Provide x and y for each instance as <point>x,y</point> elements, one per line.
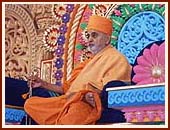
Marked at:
<point>99,32</point>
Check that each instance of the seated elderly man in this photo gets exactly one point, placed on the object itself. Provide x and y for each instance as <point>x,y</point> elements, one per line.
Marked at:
<point>80,100</point>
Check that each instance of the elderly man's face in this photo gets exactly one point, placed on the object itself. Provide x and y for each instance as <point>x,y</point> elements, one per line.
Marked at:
<point>96,41</point>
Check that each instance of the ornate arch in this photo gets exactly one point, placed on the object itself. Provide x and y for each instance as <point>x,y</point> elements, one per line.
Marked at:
<point>20,40</point>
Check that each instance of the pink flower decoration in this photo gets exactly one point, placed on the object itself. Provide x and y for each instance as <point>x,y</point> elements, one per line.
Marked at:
<point>82,38</point>
<point>151,115</point>
<point>77,56</point>
<point>87,15</point>
<point>132,5</point>
<point>117,12</point>
<point>140,116</point>
<point>161,5</point>
<point>129,116</point>
<point>150,66</point>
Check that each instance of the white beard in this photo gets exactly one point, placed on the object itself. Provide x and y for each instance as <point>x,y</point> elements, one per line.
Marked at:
<point>92,49</point>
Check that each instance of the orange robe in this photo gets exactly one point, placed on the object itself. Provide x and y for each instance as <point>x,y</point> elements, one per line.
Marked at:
<point>107,65</point>
<point>61,111</point>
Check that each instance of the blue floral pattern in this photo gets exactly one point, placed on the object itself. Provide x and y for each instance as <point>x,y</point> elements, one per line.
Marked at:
<point>61,40</point>
<point>70,7</point>
<point>63,29</point>
<point>60,43</point>
<point>59,63</point>
<point>59,51</point>
<point>140,30</point>
<point>58,75</point>
<point>65,17</point>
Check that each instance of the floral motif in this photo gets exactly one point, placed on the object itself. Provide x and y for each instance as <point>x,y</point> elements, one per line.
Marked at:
<point>59,51</point>
<point>65,18</point>
<point>70,7</point>
<point>62,13</point>
<point>50,38</point>
<point>117,12</point>
<point>63,29</point>
<point>58,75</point>
<point>132,5</point>
<point>58,10</point>
<point>59,63</point>
<point>82,38</point>
<point>150,66</point>
<point>124,12</point>
<point>140,30</point>
<point>141,114</point>
<point>161,5</point>
<point>86,16</point>
<point>61,40</point>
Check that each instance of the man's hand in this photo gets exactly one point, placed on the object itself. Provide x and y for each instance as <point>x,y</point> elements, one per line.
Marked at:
<point>89,98</point>
<point>35,81</point>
